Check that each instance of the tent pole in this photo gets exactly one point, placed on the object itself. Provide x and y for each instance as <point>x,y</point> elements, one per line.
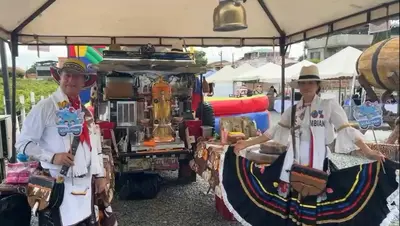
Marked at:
<point>14,53</point>
<point>4,71</point>
<point>282,50</point>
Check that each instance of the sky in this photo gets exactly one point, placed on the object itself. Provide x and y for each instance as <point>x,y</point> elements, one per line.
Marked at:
<point>27,57</point>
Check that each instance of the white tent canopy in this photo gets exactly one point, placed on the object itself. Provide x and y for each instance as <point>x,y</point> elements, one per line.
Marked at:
<point>127,22</point>
<point>228,74</point>
<point>224,74</point>
<point>341,64</point>
<point>242,69</point>
<point>268,71</point>
<point>292,72</point>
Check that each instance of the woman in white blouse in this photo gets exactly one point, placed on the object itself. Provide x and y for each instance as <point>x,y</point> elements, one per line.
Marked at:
<point>264,195</point>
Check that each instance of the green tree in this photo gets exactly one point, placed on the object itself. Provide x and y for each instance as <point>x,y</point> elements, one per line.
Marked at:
<point>380,36</point>
<point>25,87</point>
<point>32,69</point>
<point>315,61</point>
<point>200,58</point>
<point>20,73</point>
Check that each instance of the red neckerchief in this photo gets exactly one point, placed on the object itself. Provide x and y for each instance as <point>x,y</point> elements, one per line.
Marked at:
<point>84,137</point>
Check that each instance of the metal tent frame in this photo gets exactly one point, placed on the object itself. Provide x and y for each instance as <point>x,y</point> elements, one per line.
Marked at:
<point>378,11</point>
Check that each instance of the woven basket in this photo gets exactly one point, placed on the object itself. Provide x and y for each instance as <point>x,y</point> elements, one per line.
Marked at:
<point>391,151</point>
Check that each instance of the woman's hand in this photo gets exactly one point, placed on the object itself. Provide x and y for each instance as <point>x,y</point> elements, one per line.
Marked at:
<point>378,156</point>
<point>240,145</point>
<point>369,153</point>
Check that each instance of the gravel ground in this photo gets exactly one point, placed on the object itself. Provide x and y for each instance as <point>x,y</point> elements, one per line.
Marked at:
<point>188,205</point>
<point>175,205</point>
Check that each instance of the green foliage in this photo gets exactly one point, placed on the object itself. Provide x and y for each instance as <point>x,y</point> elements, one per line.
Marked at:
<point>19,73</point>
<point>25,87</point>
<point>200,58</point>
<point>315,61</point>
<point>380,36</point>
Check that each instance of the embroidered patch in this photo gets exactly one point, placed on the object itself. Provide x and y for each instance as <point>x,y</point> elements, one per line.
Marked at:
<point>315,114</point>
<point>62,104</point>
<point>69,120</point>
<point>321,114</point>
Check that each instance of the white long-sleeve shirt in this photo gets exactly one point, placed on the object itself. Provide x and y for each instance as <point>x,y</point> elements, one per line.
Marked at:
<point>40,139</point>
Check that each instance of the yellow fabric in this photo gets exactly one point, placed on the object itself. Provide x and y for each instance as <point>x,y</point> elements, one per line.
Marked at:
<point>75,61</point>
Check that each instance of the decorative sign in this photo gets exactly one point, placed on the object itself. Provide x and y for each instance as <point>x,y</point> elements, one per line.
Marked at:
<point>69,120</point>
<point>368,114</point>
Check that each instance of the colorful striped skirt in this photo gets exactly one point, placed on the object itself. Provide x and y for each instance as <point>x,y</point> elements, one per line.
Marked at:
<point>360,195</point>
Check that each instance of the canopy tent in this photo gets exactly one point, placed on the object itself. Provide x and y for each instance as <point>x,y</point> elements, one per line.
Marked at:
<point>292,72</point>
<point>229,75</point>
<point>341,64</point>
<point>49,22</point>
<point>209,73</point>
<point>222,75</point>
<point>268,71</point>
<point>242,69</point>
<point>272,22</point>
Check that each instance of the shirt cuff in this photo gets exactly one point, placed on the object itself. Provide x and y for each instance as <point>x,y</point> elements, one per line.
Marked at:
<point>34,151</point>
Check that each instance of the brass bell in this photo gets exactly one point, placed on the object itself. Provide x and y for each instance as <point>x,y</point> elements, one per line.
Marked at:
<point>230,15</point>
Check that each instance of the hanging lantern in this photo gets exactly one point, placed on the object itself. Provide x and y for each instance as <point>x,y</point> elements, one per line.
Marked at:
<point>230,15</point>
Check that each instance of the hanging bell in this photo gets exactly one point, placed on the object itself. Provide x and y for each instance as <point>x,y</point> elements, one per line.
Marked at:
<point>230,15</point>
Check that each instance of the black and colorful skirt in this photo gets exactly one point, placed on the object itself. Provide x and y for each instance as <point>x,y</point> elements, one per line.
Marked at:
<point>362,195</point>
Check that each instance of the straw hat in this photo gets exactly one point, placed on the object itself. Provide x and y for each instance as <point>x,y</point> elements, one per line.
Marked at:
<point>74,66</point>
<point>307,73</point>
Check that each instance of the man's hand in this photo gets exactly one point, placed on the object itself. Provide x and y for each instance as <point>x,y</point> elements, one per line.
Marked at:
<point>63,159</point>
<point>100,184</point>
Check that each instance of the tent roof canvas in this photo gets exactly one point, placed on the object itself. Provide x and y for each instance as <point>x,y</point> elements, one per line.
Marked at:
<point>162,23</point>
<point>341,64</point>
<point>260,73</point>
<point>293,72</point>
<point>222,75</point>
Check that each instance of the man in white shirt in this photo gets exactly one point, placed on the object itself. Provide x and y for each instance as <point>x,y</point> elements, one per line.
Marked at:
<point>47,136</point>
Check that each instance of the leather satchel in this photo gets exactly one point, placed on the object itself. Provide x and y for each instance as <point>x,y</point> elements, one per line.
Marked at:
<point>305,180</point>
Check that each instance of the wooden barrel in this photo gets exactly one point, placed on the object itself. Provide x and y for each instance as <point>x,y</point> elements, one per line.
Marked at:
<point>378,62</point>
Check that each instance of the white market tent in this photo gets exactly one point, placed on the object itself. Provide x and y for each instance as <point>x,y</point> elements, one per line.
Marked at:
<point>270,72</point>
<point>293,72</point>
<point>163,23</point>
<point>222,75</point>
<point>127,22</point>
<point>341,64</point>
<point>228,74</point>
<point>242,69</point>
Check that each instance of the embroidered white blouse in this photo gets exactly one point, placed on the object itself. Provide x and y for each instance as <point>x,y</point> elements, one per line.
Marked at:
<point>346,135</point>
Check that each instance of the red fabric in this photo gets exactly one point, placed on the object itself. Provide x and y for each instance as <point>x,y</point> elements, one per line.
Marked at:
<point>106,128</point>
<point>235,106</point>
<point>196,99</point>
<point>311,150</point>
<point>84,137</point>
<point>194,127</point>
<point>223,210</point>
